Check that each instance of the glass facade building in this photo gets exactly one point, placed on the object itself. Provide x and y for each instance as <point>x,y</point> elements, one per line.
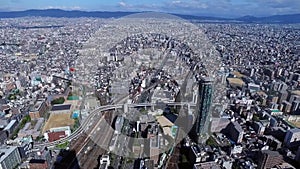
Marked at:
<point>203,107</point>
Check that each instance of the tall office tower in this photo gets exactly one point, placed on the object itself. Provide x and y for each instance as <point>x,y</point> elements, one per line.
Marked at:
<point>203,109</point>
<point>268,159</point>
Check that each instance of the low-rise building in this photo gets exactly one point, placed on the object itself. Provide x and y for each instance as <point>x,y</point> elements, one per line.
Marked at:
<point>57,133</point>
<point>38,110</point>
<point>38,164</point>
<point>11,126</point>
<point>207,165</point>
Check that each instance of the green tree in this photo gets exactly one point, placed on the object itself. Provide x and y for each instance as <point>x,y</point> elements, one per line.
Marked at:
<point>60,100</point>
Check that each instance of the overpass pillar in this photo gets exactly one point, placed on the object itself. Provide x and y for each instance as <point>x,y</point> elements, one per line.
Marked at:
<point>152,107</point>
<point>125,108</point>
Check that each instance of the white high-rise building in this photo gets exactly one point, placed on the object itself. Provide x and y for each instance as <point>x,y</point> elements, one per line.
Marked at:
<point>9,157</point>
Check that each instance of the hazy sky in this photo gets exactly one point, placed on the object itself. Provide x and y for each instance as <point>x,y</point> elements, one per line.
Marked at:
<point>196,7</point>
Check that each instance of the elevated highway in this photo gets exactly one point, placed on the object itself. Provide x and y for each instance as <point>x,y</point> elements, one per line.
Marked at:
<point>85,122</point>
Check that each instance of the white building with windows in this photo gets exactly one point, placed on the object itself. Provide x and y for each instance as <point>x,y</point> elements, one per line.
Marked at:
<point>9,157</point>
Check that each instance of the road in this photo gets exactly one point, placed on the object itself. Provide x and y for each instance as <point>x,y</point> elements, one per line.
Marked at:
<point>86,122</point>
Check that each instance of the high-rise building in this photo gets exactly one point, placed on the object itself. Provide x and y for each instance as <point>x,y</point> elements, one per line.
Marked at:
<point>268,159</point>
<point>297,158</point>
<point>292,137</point>
<point>203,108</point>
<point>283,95</point>
<point>295,107</point>
<point>235,132</point>
<point>9,157</point>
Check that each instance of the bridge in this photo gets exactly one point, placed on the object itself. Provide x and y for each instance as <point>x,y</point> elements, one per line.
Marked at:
<point>85,122</point>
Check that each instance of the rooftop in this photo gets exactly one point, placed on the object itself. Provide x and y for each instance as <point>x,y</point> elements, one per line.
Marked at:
<point>73,98</point>
<point>5,151</point>
<point>10,124</point>
<point>207,165</point>
<point>40,161</point>
<point>238,74</point>
<point>61,107</point>
<point>296,92</point>
<point>37,105</point>
<point>271,153</point>
<point>206,79</point>
<point>236,81</point>
<point>295,130</point>
<point>163,121</point>
<point>53,136</point>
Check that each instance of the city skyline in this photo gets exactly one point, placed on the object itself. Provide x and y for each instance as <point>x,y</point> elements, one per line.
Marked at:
<point>220,8</point>
<point>148,91</point>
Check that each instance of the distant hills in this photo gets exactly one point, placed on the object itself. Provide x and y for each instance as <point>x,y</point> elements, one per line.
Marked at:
<point>62,13</point>
<point>292,18</point>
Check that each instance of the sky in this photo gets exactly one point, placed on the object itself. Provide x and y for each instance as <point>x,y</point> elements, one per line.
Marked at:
<point>225,8</point>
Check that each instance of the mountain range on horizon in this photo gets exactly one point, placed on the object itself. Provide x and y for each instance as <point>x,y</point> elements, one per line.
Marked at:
<point>281,19</point>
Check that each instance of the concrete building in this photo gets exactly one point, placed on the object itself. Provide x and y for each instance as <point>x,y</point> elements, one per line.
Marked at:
<point>268,159</point>
<point>35,132</point>
<point>11,126</point>
<point>3,136</point>
<point>38,110</point>
<point>235,132</point>
<point>38,164</point>
<point>9,157</point>
<point>197,154</point>
<point>273,142</point>
<point>237,149</point>
<point>207,165</point>
<point>217,124</point>
<point>297,158</point>
<point>292,137</point>
<point>286,107</point>
<point>23,144</point>
<point>294,97</point>
<point>41,160</point>
<point>284,166</point>
<point>104,162</point>
<point>253,87</point>
<point>154,148</point>
<point>259,128</point>
<point>295,107</point>
<point>282,96</point>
